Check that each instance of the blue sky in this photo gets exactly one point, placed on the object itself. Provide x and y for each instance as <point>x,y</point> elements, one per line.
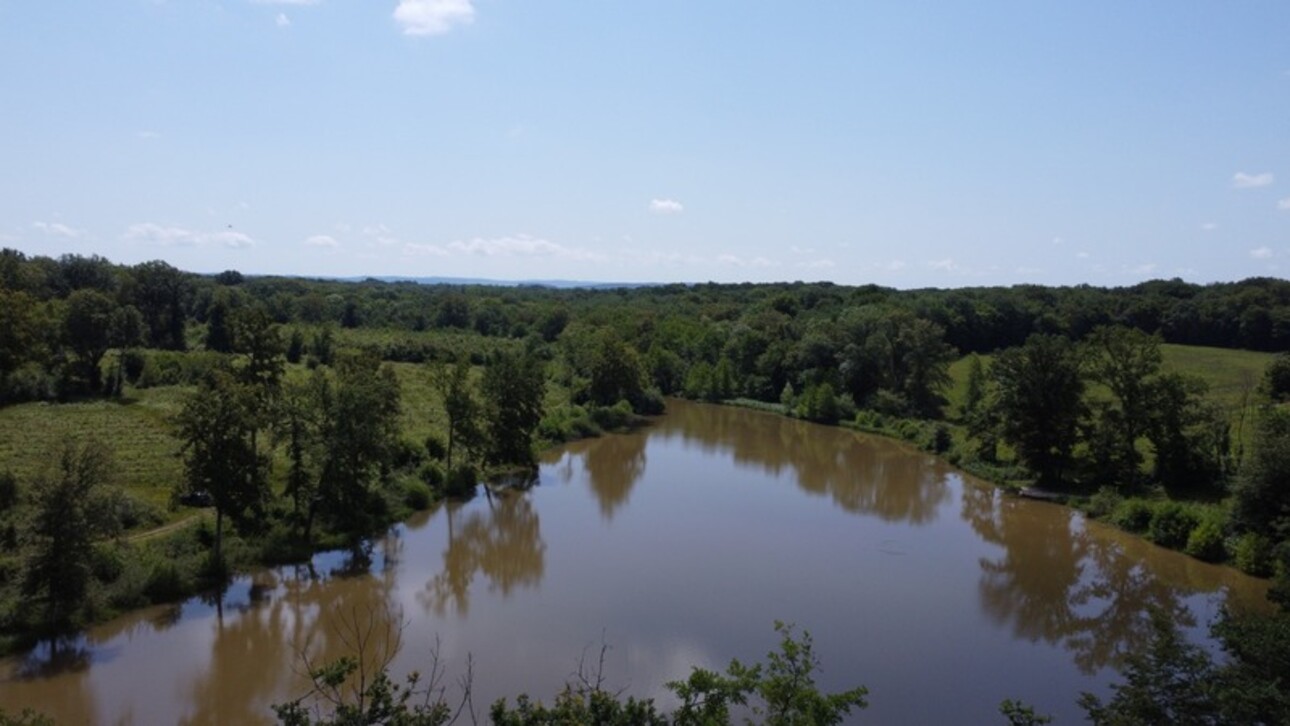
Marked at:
<point>904,143</point>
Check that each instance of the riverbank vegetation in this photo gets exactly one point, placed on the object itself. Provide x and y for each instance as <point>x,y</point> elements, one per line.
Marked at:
<point>300,414</point>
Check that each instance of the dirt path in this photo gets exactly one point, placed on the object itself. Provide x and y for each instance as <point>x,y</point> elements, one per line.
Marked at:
<point>165,529</point>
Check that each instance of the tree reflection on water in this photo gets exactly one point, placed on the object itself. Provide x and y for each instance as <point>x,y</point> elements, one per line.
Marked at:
<point>1057,583</point>
<point>502,541</point>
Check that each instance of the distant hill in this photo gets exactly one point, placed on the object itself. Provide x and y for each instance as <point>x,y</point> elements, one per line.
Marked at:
<point>555,284</point>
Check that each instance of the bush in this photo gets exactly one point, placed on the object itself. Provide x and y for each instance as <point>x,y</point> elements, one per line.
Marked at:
<point>431,474</point>
<point>165,582</point>
<point>406,455</point>
<point>461,482</point>
<point>29,382</point>
<point>1206,541</point>
<point>8,491</point>
<point>1133,515</point>
<point>890,403</point>
<point>133,513</point>
<point>649,402</point>
<point>942,439</point>
<point>416,495</point>
<point>909,430</point>
<point>613,417</point>
<point>869,420</point>
<point>173,368</point>
<point>1104,503</point>
<point>132,365</point>
<point>436,448</point>
<point>1253,554</point>
<point>1171,525</point>
<point>106,563</point>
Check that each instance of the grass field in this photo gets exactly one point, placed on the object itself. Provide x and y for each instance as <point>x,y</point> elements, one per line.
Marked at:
<point>1229,373</point>
<point>1232,376</point>
<point>137,430</point>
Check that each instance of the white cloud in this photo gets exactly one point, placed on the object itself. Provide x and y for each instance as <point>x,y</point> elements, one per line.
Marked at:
<point>282,20</point>
<point>1241,180</point>
<point>321,241</point>
<point>1081,255</point>
<point>1029,270</point>
<point>817,264</point>
<point>433,17</point>
<point>1209,226</point>
<point>658,257</point>
<point>521,245</point>
<point>58,229</point>
<point>285,2</point>
<point>181,237</point>
<point>736,261</point>
<point>1261,253</point>
<point>414,248</point>
<point>1144,269</point>
<point>946,264</point>
<point>148,135</point>
<point>895,265</point>
<point>666,206</point>
<point>1284,204</point>
<point>1058,240</point>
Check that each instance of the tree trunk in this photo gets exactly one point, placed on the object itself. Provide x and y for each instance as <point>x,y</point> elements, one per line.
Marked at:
<point>219,538</point>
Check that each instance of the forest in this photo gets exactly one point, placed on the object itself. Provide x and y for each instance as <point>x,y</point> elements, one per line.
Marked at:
<point>308,414</point>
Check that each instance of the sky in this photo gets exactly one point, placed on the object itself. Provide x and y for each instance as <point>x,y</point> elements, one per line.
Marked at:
<point>908,144</point>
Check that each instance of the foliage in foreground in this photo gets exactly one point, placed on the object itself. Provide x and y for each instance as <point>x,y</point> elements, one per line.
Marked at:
<point>780,691</point>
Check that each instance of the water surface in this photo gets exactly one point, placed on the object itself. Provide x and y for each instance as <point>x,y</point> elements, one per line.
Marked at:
<point>677,546</point>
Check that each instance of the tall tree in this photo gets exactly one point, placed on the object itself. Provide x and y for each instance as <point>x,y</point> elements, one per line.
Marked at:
<point>86,329</point>
<point>513,389</point>
<point>125,331</point>
<point>1040,402</point>
<point>459,406</point>
<point>159,291</point>
<point>68,515</point>
<point>1127,363</point>
<point>616,372</point>
<point>359,430</point>
<point>298,427</point>
<point>215,426</point>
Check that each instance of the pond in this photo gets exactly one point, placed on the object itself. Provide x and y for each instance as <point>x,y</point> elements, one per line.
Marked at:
<point>675,546</point>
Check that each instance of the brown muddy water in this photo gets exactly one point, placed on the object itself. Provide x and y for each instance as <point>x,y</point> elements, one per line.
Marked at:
<point>678,546</point>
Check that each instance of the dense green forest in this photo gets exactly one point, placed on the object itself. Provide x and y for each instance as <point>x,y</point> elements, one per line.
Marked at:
<point>313,413</point>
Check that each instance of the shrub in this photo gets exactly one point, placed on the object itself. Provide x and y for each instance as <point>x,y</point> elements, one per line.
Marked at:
<point>416,495</point>
<point>613,417</point>
<point>1253,554</point>
<point>649,402</point>
<point>461,482</point>
<point>435,447</point>
<point>165,582</point>
<point>869,419</point>
<point>106,563</point>
<point>909,430</point>
<point>1206,541</point>
<point>890,403</point>
<point>29,382</point>
<point>1171,525</point>
<point>1104,503</point>
<point>431,473</point>
<point>406,455</point>
<point>8,491</point>
<point>1133,515</point>
<point>942,439</point>
<point>132,364</point>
